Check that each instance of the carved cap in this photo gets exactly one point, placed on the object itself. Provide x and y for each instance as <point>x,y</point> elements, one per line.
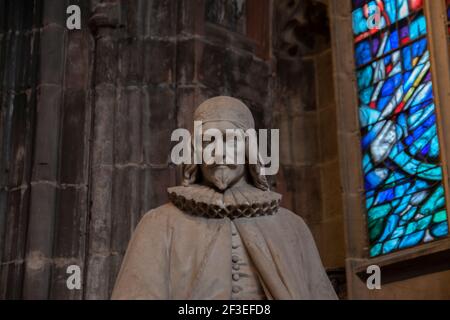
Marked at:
<point>225,109</point>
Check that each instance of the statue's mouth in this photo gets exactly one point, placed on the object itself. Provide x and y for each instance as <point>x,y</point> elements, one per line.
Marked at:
<point>222,166</point>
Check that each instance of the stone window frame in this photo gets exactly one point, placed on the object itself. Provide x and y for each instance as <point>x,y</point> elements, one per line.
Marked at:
<point>424,258</point>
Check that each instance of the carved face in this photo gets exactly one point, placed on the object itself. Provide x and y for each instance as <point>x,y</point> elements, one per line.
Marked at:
<point>222,176</point>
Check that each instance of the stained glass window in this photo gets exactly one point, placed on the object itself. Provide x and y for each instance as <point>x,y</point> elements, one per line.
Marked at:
<point>404,188</point>
<point>448,16</point>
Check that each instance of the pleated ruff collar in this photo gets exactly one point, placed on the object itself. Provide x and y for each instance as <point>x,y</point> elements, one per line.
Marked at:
<point>236,202</point>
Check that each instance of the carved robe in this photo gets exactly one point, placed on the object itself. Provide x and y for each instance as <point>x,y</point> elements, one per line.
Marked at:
<point>184,251</point>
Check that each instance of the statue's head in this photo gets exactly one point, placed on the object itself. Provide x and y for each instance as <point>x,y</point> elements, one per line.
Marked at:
<point>222,114</point>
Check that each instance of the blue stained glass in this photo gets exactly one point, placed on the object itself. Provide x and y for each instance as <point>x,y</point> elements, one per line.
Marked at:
<point>390,245</point>
<point>403,175</point>
<point>448,11</point>
<point>376,250</point>
<point>412,240</point>
<point>418,27</point>
<point>385,12</point>
<point>440,230</point>
<point>362,53</point>
<point>424,223</point>
<point>392,222</point>
<point>400,231</point>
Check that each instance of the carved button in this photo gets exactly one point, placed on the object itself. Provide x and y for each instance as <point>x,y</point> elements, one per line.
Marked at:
<point>235,259</point>
<point>236,289</point>
<point>236,267</point>
<point>234,232</point>
<point>236,276</point>
<point>235,246</point>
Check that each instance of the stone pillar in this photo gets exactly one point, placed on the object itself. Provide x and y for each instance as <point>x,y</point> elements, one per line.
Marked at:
<point>19,45</point>
<point>305,112</point>
<point>134,116</point>
<point>58,206</point>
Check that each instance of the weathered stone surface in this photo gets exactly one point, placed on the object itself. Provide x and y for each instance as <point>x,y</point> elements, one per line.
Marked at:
<point>78,71</point>
<point>15,205</point>
<point>304,130</point>
<point>19,152</point>
<point>160,17</point>
<point>103,131</point>
<point>18,73</point>
<point>71,216</point>
<point>154,184</point>
<point>159,120</point>
<point>52,54</point>
<point>54,12</point>
<point>73,141</point>
<point>100,215</point>
<point>308,200</point>
<point>40,233</point>
<point>297,81</point>
<point>106,65</point>
<point>159,61</point>
<point>187,61</point>
<point>305,111</point>
<point>325,81</point>
<point>47,130</point>
<point>230,14</point>
<point>326,233</point>
<point>328,134</point>
<point>331,189</point>
<point>128,126</point>
<point>125,206</point>
<point>132,55</point>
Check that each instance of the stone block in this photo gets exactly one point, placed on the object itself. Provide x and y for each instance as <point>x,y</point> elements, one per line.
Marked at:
<point>305,150</point>
<point>126,194</point>
<point>52,54</point>
<point>325,81</point>
<point>18,152</point>
<point>330,241</point>
<point>71,223</point>
<point>186,61</point>
<point>159,121</point>
<point>154,184</point>
<point>159,61</point>
<point>105,103</point>
<point>74,139</point>
<point>328,134</point>
<point>78,57</point>
<point>54,12</point>
<point>160,18</point>
<point>132,56</point>
<point>106,68</point>
<point>48,113</point>
<point>308,193</point>
<point>331,189</point>
<point>101,210</point>
<point>128,126</point>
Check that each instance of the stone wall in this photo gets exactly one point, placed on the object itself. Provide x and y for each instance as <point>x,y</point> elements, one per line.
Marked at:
<point>19,41</point>
<point>45,119</point>
<point>305,112</point>
<point>86,118</point>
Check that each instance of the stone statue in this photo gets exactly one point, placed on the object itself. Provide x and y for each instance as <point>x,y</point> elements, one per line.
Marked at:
<point>223,235</point>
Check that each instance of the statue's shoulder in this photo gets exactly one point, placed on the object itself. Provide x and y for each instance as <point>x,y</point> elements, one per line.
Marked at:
<point>162,214</point>
<point>293,218</point>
